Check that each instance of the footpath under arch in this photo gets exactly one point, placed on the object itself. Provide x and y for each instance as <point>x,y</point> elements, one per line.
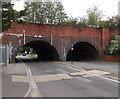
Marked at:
<point>83,51</point>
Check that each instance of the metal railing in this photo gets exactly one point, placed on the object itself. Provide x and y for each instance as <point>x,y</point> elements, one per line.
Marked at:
<point>4,55</point>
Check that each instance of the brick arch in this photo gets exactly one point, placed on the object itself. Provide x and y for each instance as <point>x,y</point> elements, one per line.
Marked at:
<point>87,41</point>
<point>44,43</point>
<point>63,37</point>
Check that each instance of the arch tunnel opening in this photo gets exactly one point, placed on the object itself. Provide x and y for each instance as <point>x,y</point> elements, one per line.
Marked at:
<point>83,51</point>
<point>44,50</point>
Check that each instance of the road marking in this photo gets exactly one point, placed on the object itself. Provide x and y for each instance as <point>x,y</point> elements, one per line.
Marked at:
<point>62,71</point>
<point>16,78</point>
<point>89,73</point>
<point>97,72</point>
<point>33,89</point>
<point>41,78</point>
<point>83,79</point>
<point>62,64</point>
<point>53,77</point>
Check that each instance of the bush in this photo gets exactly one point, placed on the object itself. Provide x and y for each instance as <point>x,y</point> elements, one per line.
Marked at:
<point>114,46</point>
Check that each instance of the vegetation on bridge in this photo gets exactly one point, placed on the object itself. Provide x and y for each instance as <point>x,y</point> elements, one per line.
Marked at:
<point>42,13</point>
<point>10,15</point>
<point>94,19</point>
<point>53,13</point>
<point>114,46</point>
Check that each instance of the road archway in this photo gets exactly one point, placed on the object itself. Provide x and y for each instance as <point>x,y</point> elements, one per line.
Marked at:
<point>44,50</point>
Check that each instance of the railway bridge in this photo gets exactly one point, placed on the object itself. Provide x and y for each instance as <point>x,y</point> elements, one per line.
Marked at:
<point>56,42</point>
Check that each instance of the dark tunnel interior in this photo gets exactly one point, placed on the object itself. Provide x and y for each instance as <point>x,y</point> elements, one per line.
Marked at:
<point>82,51</point>
<point>44,50</point>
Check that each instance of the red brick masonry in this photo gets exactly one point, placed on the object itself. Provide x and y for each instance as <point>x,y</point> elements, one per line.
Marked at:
<point>67,35</point>
<point>111,58</point>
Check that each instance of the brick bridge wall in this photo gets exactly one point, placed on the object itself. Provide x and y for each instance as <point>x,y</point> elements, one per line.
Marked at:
<point>62,37</point>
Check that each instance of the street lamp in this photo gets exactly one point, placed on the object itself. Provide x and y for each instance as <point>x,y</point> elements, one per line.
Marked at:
<point>24,36</point>
<point>71,54</point>
<point>51,39</point>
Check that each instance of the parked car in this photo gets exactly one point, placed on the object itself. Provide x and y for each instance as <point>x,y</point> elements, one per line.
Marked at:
<point>23,54</point>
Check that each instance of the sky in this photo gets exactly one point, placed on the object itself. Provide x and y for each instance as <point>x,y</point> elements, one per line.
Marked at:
<point>75,8</point>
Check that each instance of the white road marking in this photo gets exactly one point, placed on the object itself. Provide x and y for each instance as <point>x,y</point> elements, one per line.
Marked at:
<point>66,75</point>
<point>62,71</point>
<point>33,89</point>
<point>83,79</point>
<point>16,78</point>
<point>53,77</point>
<point>92,74</point>
<point>42,78</point>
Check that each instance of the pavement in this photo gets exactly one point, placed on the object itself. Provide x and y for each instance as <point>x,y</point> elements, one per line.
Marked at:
<point>0,82</point>
<point>13,89</point>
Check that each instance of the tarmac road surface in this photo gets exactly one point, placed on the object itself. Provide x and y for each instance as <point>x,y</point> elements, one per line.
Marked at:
<point>63,79</point>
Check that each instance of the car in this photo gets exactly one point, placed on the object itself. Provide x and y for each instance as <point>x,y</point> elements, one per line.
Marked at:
<point>23,54</point>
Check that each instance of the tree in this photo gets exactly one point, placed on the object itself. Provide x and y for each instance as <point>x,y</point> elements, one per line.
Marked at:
<point>94,16</point>
<point>82,22</point>
<point>0,16</point>
<point>114,46</point>
<point>102,24</point>
<point>113,22</point>
<point>70,21</point>
<point>31,10</point>
<point>23,49</point>
<point>45,12</point>
<point>10,15</point>
<point>61,16</point>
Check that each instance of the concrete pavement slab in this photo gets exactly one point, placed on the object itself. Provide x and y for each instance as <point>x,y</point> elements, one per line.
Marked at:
<point>13,89</point>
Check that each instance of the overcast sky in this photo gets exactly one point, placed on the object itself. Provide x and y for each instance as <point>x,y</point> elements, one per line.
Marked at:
<point>77,8</point>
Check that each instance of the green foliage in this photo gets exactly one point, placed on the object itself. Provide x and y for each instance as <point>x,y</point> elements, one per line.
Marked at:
<point>32,55</point>
<point>10,15</point>
<point>114,46</point>
<point>69,21</point>
<point>102,24</point>
<point>23,49</point>
<point>79,22</point>
<point>82,23</point>
<point>94,16</point>
<point>113,22</point>
<point>92,20</point>
<point>22,21</point>
<point>53,13</point>
<point>45,12</point>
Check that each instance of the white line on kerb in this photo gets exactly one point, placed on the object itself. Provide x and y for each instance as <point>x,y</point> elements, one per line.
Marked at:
<point>33,89</point>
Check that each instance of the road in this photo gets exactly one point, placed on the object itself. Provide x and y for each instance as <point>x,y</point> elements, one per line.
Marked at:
<point>72,83</point>
<point>80,79</point>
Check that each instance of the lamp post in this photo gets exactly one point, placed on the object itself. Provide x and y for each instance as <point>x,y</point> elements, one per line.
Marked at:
<point>24,36</point>
<point>72,54</point>
<point>51,39</point>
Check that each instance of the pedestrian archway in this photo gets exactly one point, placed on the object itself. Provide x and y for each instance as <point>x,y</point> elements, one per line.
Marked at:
<point>83,51</point>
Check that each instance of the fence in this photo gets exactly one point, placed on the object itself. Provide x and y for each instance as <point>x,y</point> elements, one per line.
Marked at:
<point>4,55</point>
